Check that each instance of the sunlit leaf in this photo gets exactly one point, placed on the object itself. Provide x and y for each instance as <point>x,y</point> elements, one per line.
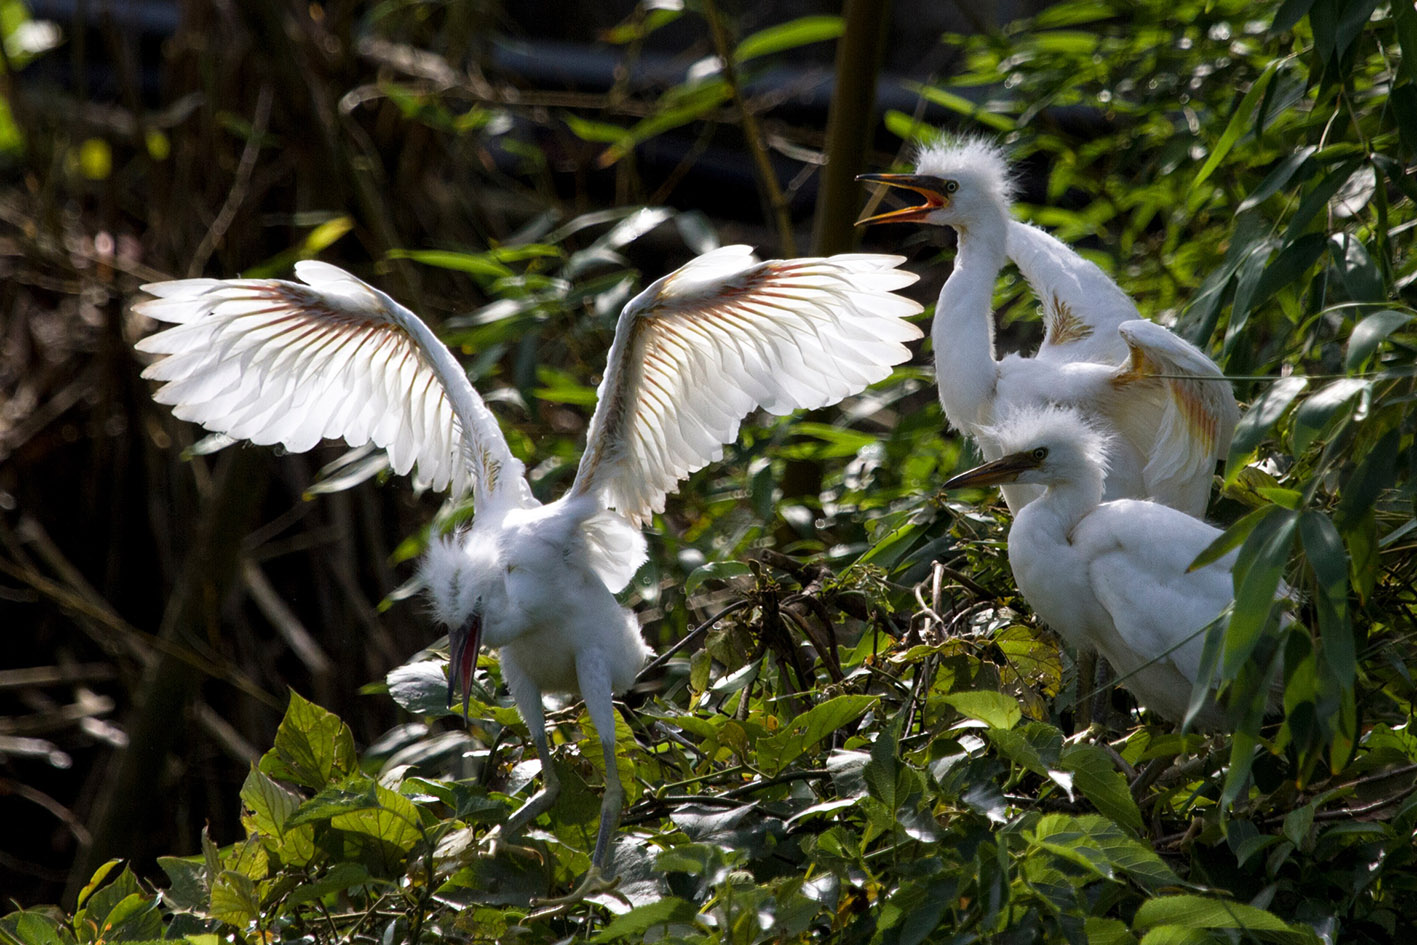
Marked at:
<point>789,35</point>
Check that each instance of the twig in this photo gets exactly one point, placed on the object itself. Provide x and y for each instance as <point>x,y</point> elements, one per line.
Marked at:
<point>691,637</point>
<point>239,186</point>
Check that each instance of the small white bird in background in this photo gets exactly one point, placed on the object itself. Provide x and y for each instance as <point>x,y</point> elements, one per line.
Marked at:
<point>1169,404</point>
<point>1114,576</point>
<point>272,361</point>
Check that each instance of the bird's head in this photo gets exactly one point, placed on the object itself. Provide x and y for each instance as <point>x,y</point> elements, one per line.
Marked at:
<point>1047,446</point>
<point>459,574</point>
<point>960,181</point>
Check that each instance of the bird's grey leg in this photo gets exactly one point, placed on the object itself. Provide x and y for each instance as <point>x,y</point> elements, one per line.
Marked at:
<point>528,699</point>
<point>599,698</point>
<point>598,692</point>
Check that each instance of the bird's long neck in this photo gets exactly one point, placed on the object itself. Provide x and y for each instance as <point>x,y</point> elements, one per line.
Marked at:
<point>963,330</point>
<point>1057,512</point>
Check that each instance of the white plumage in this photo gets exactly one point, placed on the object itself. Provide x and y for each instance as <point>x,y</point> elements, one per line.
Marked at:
<point>1114,576</point>
<point>283,362</point>
<point>1168,404</point>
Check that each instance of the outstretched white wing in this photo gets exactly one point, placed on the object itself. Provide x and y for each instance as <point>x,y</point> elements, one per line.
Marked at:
<point>702,347</point>
<point>272,361</point>
<point>1082,306</point>
<point>1191,419</point>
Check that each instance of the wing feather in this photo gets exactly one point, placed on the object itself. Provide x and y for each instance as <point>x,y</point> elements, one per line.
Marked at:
<point>1197,412</point>
<point>273,361</point>
<point>1082,305</point>
<point>701,348</point>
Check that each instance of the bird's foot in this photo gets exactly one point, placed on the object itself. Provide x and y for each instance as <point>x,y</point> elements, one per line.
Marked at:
<point>593,883</point>
<point>494,844</point>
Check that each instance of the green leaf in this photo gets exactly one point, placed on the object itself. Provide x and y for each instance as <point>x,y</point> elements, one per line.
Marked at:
<point>1103,931</point>
<point>96,880</point>
<point>1204,913</point>
<point>714,571</point>
<point>1238,125</point>
<point>1290,13</point>
<point>1324,551</point>
<point>234,899</point>
<point>1405,17</point>
<point>1371,332</point>
<point>1100,845</point>
<point>1313,415</point>
<point>962,105</point>
<point>638,921</point>
<point>1255,425</point>
<point>312,746</point>
<point>1257,574</point>
<point>790,35</point>
<point>393,820</point>
<point>1276,178</point>
<point>476,264</point>
<point>776,752</point>
<point>32,927</point>
<point>995,709</point>
<point>356,795</point>
<point>1095,775</point>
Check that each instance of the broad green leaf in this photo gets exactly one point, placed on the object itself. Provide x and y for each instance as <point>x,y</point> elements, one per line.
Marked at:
<point>33,927</point>
<point>1099,844</point>
<point>312,746</point>
<point>270,804</point>
<point>776,752</point>
<point>790,35</point>
<point>1095,775</point>
<point>1290,13</point>
<point>357,795</point>
<point>1206,913</point>
<point>1313,415</point>
<point>1276,178</point>
<point>187,889</point>
<point>995,709</point>
<point>714,571</point>
<point>1371,332</point>
<point>271,807</point>
<point>393,820</point>
<point>1405,17</point>
<point>1323,549</point>
<point>641,920</point>
<point>1257,574</point>
<point>1104,931</point>
<point>1255,425</point>
<point>135,918</point>
<point>234,899</point>
<point>1317,199</point>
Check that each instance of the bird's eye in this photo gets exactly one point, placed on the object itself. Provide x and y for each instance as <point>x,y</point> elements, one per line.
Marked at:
<point>1040,453</point>
<point>951,186</point>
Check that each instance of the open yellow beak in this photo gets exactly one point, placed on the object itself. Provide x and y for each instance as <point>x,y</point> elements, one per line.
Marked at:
<point>931,188</point>
<point>1001,471</point>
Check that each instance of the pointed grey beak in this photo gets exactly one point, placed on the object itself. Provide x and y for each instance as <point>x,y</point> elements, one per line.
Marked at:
<point>1004,470</point>
<point>465,642</point>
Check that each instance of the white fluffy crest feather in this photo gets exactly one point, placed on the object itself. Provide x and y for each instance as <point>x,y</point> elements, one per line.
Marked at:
<point>1054,426</point>
<point>970,156</point>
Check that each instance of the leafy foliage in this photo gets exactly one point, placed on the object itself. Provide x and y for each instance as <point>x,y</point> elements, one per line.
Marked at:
<point>868,736</point>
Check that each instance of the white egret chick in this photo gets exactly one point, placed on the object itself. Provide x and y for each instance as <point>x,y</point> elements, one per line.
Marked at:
<point>1169,405</point>
<point>273,361</point>
<point>1114,576</point>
